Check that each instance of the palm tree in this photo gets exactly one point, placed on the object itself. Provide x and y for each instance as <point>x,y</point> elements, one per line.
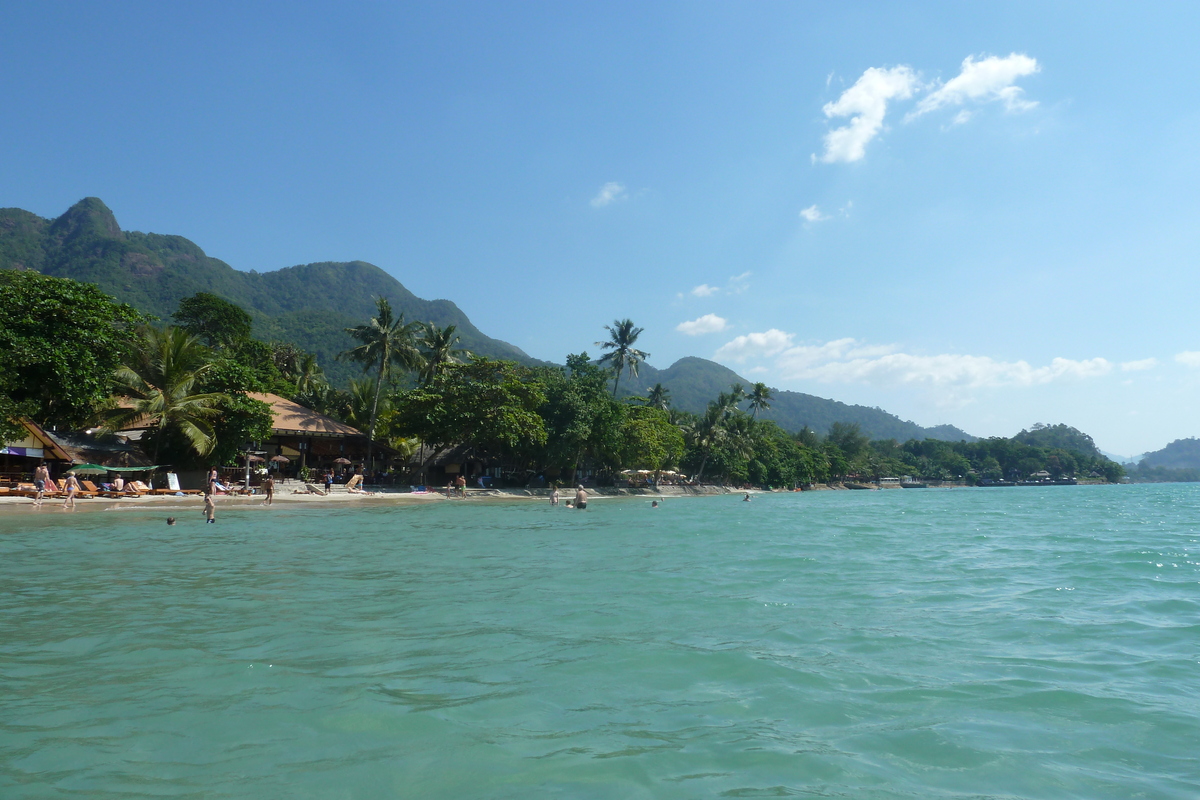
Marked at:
<point>760,398</point>
<point>705,432</point>
<point>438,350</point>
<point>621,337</point>
<point>308,374</point>
<point>157,386</point>
<point>386,341</point>
<point>658,396</point>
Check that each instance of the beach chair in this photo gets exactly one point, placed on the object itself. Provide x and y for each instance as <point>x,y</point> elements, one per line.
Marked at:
<point>96,491</point>
<point>137,487</point>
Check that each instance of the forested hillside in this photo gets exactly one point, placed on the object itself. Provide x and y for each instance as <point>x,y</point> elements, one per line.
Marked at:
<point>307,305</point>
<point>311,305</point>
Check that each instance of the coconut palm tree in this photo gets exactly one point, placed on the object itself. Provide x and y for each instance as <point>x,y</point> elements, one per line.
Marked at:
<point>385,342</point>
<point>621,337</point>
<point>438,350</point>
<point>706,432</point>
<point>658,396</point>
<point>156,386</point>
<point>308,374</point>
<point>760,398</point>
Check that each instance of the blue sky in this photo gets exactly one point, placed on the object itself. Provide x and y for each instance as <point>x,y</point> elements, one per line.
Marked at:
<point>980,215</point>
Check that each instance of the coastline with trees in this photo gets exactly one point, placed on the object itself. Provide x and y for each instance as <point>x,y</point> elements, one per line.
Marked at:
<point>420,393</point>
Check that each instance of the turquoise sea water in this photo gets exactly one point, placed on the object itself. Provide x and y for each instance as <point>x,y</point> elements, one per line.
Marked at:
<point>1003,643</point>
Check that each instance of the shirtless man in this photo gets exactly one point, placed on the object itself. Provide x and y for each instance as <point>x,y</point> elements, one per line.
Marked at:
<point>268,486</point>
<point>119,484</point>
<point>460,484</point>
<point>581,498</point>
<point>70,486</point>
<point>41,477</point>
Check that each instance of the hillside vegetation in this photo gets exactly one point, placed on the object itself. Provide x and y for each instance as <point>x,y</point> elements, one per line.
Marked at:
<point>311,305</point>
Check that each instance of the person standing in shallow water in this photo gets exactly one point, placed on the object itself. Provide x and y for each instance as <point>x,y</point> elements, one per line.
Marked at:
<point>41,477</point>
<point>210,508</point>
<point>581,497</point>
<point>554,494</point>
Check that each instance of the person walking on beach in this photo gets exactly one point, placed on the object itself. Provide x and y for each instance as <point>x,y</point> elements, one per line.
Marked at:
<point>210,508</point>
<point>70,486</point>
<point>212,480</point>
<point>581,497</point>
<point>328,481</point>
<point>268,486</point>
<point>41,476</point>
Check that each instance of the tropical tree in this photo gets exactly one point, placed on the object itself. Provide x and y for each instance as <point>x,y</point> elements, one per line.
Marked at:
<point>214,319</point>
<point>705,432</point>
<point>438,350</point>
<point>384,342</point>
<point>157,385</point>
<point>622,355</point>
<point>658,396</point>
<point>760,398</point>
<point>60,341</point>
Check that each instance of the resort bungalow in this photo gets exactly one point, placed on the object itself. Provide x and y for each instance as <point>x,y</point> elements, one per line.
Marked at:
<point>20,457</point>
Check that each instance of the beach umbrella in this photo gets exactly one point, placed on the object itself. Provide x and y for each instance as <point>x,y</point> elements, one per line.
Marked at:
<point>341,461</point>
<point>87,469</point>
<point>280,459</point>
<point>255,459</point>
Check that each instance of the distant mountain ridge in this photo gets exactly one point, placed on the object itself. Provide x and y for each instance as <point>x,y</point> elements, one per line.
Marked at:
<point>310,305</point>
<point>1179,454</point>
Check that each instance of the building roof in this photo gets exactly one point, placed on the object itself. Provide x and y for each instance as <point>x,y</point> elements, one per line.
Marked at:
<point>296,419</point>
<point>51,451</point>
<point>97,447</point>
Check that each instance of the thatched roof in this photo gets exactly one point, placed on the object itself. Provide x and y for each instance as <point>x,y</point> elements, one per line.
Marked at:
<point>107,450</point>
<point>293,418</point>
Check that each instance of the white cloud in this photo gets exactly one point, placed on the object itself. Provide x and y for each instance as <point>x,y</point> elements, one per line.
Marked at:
<point>813,214</point>
<point>1136,366</point>
<point>761,345</point>
<point>609,193</point>
<point>851,361</point>
<point>991,78</point>
<point>709,323</point>
<point>961,118</point>
<point>866,104</point>
<point>704,290</point>
<point>1189,358</point>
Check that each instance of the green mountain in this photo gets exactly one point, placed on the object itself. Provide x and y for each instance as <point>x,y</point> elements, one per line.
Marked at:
<point>1179,454</point>
<point>695,381</point>
<point>311,304</point>
<point>307,305</point>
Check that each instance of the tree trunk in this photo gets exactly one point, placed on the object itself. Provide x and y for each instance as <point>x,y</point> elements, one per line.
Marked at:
<point>374,412</point>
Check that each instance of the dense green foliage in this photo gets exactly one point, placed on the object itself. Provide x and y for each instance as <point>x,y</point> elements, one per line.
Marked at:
<point>59,343</point>
<point>214,319</point>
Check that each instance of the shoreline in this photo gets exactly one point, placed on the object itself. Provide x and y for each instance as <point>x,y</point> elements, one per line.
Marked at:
<point>166,502</point>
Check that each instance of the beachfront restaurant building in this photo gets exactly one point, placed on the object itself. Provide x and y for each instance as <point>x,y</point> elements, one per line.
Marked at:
<point>309,439</point>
